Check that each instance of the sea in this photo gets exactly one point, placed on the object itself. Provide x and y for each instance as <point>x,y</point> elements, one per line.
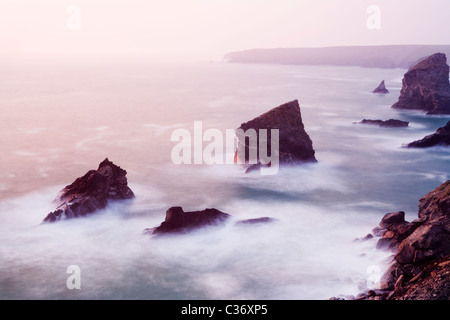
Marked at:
<point>60,119</point>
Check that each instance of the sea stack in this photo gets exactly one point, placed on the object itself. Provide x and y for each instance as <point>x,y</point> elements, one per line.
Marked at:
<point>295,145</point>
<point>426,86</point>
<point>92,192</point>
<point>381,89</point>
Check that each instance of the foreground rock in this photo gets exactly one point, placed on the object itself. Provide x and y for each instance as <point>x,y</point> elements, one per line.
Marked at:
<point>381,89</point>
<point>391,123</point>
<point>295,145</point>
<point>421,265</point>
<point>440,137</point>
<point>92,192</point>
<point>178,221</point>
<point>426,86</point>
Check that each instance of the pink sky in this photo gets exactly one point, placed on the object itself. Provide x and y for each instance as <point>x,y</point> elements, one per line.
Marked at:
<point>208,29</point>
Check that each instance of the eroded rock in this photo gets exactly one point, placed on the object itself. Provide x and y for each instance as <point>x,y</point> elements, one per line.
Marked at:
<point>92,192</point>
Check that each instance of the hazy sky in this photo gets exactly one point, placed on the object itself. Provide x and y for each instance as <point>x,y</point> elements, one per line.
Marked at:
<point>208,29</point>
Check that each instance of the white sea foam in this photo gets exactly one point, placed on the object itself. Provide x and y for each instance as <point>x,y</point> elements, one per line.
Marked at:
<point>307,252</point>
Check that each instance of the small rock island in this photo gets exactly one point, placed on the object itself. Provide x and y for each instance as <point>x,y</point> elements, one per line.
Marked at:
<point>381,89</point>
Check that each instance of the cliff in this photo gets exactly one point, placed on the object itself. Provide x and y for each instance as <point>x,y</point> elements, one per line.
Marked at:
<point>390,56</point>
<point>421,265</point>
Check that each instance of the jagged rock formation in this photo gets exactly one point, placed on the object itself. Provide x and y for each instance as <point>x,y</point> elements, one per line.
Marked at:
<point>426,86</point>
<point>294,146</point>
<point>391,123</point>
<point>421,265</point>
<point>440,137</point>
<point>381,89</point>
<point>92,192</point>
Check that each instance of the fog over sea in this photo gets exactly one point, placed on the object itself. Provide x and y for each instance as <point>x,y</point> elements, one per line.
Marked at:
<point>59,120</point>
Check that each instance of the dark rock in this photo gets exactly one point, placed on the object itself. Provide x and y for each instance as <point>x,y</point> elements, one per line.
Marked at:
<point>92,192</point>
<point>392,218</point>
<point>430,240</point>
<point>295,144</point>
<point>255,221</point>
<point>421,265</point>
<point>381,89</point>
<point>426,86</point>
<point>396,229</point>
<point>391,123</point>
<point>440,137</point>
<point>178,221</point>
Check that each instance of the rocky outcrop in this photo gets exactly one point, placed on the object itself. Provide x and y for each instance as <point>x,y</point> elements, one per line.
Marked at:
<point>92,192</point>
<point>391,123</point>
<point>294,144</point>
<point>178,221</point>
<point>381,89</point>
<point>440,138</point>
<point>421,265</point>
<point>426,86</point>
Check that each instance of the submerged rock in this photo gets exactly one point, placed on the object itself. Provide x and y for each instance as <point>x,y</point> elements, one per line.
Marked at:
<point>440,137</point>
<point>295,145</point>
<point>426,86</point>
<point>381,89</point>
<point>255,221</point>
<point>92,192</point>
<point>391,123</point>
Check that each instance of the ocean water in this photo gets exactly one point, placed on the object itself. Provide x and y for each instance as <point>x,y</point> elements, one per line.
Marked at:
<point>59,120</point>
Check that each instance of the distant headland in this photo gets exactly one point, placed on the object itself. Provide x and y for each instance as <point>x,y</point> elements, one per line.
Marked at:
<point>388,56</point>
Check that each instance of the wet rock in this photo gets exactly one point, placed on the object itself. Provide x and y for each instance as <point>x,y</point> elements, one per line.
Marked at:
<point>426,86</point>
<point>381,89</point>
<point>440,138</point>
<point>92,192</point>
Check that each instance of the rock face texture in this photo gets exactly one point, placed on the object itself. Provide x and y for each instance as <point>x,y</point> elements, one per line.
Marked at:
<point>295,145</point>
<point>421,266</point>
<point>391,123</point>
<point>426,86</point>
<point>381,89</point>
<point>440,137</point>
<point>92,192</point>
<point>178,221</point>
